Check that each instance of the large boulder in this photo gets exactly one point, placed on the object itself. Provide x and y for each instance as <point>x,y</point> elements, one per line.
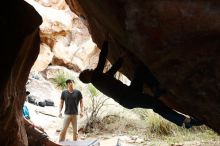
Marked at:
<point>177,40</point>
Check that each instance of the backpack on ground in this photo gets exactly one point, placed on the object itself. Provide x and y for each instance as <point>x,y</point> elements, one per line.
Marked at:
<point>31,99</point>
<point>41,103</point>
<point>49,102</point>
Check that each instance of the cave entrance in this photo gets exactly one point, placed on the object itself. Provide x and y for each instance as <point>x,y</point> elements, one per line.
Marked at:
<point>67,48</point>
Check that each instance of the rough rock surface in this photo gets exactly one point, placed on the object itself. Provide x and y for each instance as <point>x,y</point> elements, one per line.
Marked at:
<point>44,58</point>
<point>177,40</point>
<point>20,46</point>
<point>65,35</point>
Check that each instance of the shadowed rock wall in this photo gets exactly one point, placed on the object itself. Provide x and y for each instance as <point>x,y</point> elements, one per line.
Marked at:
<point>19,49</point>
<point>177,40</point>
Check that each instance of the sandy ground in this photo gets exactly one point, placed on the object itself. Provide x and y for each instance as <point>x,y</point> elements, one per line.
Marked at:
<point>52,125</point>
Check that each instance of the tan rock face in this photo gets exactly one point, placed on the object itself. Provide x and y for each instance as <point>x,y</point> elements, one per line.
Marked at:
<point>65,34</point>
<point>177,40</point>
<point>44,58</point>
<point>57,4</point>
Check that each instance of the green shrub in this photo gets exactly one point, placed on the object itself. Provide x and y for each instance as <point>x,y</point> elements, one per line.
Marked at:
<point>93,91</point>
<point>97,102</point>
<point>60,79</point>
<point>160,126</point>
<point>155,123</point>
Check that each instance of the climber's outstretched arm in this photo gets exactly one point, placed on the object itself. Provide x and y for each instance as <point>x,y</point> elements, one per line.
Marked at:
<point>115,67</point>
<point>102,57</point>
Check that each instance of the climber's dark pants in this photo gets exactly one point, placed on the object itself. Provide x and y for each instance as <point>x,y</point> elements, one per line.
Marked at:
<point>169,114</point>
<point>141,76</point>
